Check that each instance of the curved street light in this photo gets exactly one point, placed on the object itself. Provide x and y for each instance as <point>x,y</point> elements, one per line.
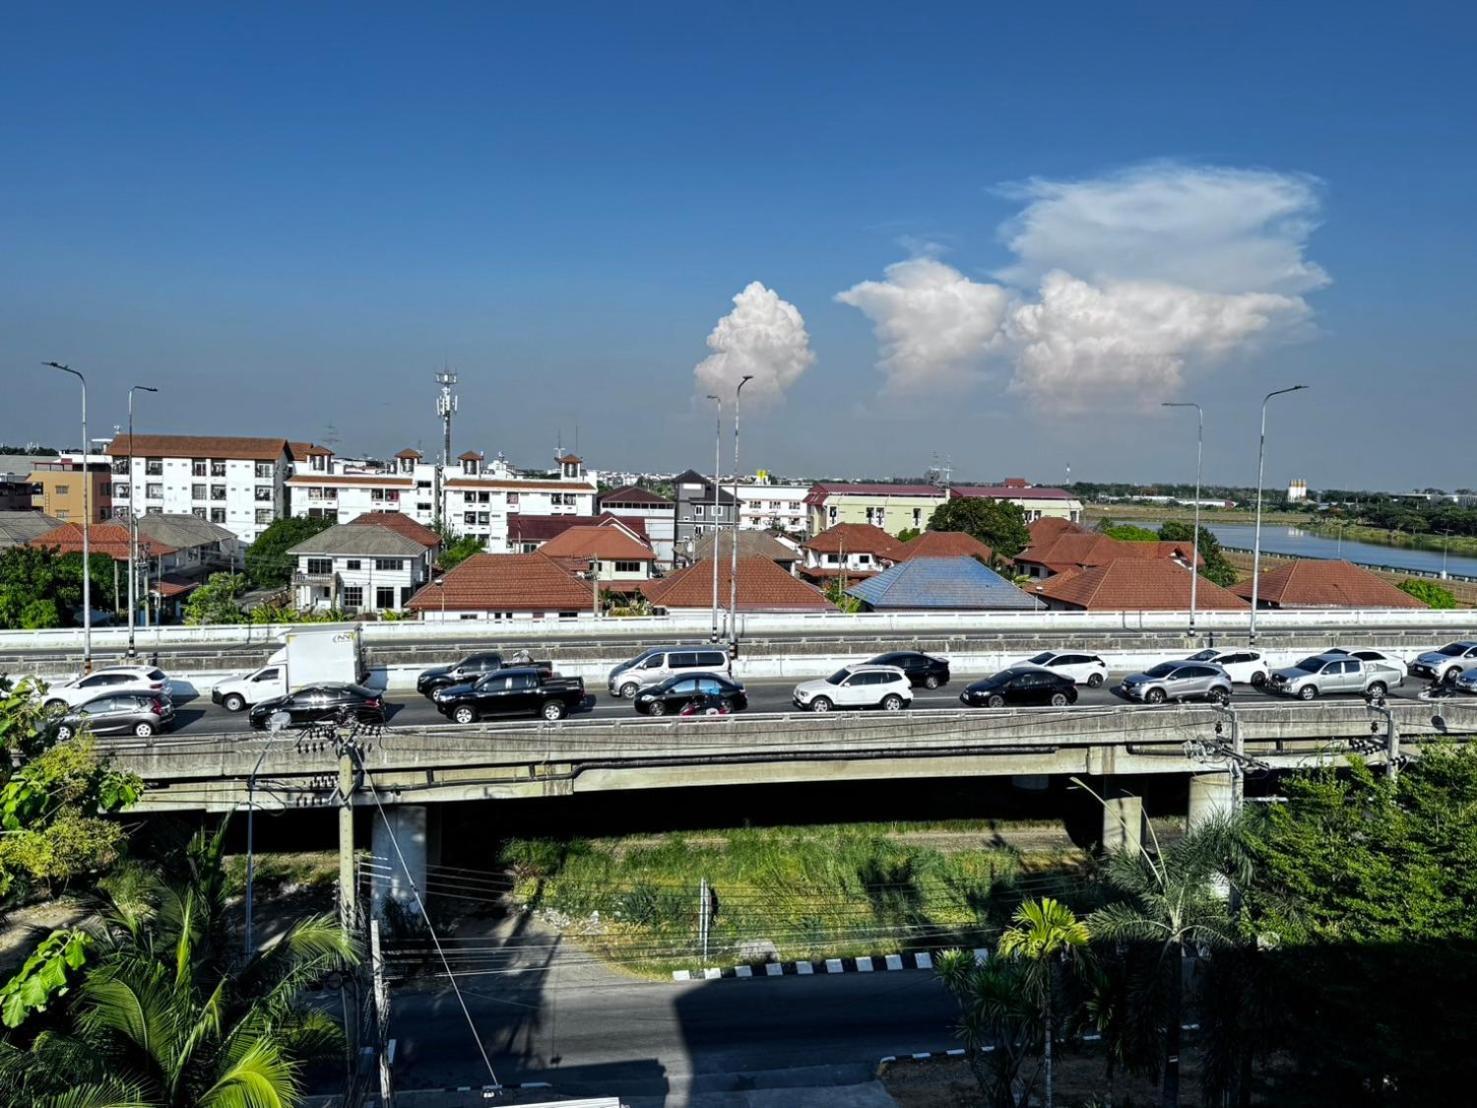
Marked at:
<point>1256,548</point>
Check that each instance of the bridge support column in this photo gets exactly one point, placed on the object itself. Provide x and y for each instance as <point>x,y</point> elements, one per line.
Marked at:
<point>1211,795</point>
<point>411,828</point>
<point>1123,820</point>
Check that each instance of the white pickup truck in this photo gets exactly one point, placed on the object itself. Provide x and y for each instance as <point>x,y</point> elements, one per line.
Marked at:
<point>307,657</point>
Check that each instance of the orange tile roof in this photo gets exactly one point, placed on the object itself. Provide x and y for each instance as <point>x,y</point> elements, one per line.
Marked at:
<point>401,524</point>
<point>855,538</point>
<point>946,544</point>
<point>1135,585</point>
<point>307,449</point>
<point>200,446</point>
<point>1318,583</point>
<point>1050,528</point>
<point>1088,548</point>
<point>608,543</point>
<point>505,583</point>
<point>409,452</point>
<point>762,587</point>
<point>109,539</point>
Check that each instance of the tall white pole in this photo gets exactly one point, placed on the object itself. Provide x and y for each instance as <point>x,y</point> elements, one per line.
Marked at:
<point>717,485</point>
<point>1256,546</point>
<point>132,521</point>
<point>733,552</point>
<point>1199,457</point>
<point>86,527</point>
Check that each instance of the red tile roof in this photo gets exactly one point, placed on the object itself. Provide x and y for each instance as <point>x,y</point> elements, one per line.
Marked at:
<point>401,524</point>
<point>109,539</point>
<point>1010,492</point>
<point>946,544</point>
<point>469,456</point>
<point>200,446</point>
<point>1135,585</point>
<point>606,543</point>
<point>762,587</point>
<point>409,452</point>
<point>570,459</point>
<point>635,494</point>
<point>855,538</point>
<point>505,583</point>
<point>1050,528</point>
<point>307,449</point>
<point>532,527</point>
<point>1088,548</point>
<point>1316,583</point>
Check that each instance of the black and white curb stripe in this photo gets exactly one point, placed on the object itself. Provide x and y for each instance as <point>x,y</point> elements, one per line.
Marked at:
<point>960,1052</point>
<point>876,963</point>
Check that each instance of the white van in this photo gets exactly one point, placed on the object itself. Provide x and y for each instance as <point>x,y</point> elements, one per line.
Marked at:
<point>660,662</point>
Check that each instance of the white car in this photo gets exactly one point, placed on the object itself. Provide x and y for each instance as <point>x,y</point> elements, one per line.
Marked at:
<point>1083,669</point>
<point>1384,658</point>
<point>885,687</point>
<point>109,679</point>
<point>1243,667</point>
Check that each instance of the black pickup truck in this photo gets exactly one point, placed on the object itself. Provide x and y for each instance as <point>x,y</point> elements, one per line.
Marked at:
<point>471,669</point>
<point>516,691</point>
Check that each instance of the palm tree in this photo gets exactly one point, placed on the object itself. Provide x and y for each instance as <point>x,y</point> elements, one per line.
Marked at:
<point>163,1020</point>
<point>998,1022</point>
<point>1175,898</point>
<point>1046,932</point>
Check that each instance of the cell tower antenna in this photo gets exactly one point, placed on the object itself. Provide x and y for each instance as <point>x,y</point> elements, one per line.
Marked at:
<point>445,409</point>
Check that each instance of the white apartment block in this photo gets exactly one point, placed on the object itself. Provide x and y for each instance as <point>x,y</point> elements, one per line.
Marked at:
<point>766,507</point>
<point>237,482</point>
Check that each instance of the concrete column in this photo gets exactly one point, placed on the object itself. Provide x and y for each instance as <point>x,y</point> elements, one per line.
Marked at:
<point>1123,820</point>
<point>392,879</point>
<point>1211,795</point>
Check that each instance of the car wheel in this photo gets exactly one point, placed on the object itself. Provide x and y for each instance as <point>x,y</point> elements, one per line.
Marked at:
<point>1219,696</point>
<point>931,681</point>
<point>1058,700</point>
<point>1095,681</point>
<point>234,702</point>
<point>1154,696</point>
<point>1308,692</point>
<point>656,708</point>
<point>892,703</point>
<point>820,704</point>
<point>996,701</point>
<point>63,733</point>
<point>629,691</point>
<point>464,714</point>
<point>1377,690</point>
<point>1451,675</point>
<point>1258,680</point>
<point>554,711</point>
<point>143,729</point>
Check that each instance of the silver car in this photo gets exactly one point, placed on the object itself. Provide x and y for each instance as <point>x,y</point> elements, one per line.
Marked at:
<point>1325,674</point>
<point>1179,681</point>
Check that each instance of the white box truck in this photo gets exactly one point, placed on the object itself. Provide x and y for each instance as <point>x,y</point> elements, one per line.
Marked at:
<point>310,656</point>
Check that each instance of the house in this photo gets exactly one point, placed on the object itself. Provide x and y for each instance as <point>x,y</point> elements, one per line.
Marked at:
<point>656,514</point>
<point>763,506</point>
<point>697,511</point>
<point>762,587</point>
<point>235,481</point>
<point>18,528</point>
<point>896,508</point>
<point>1086,549</point>
<point>1133,585</point>
<point>850,549</point>
<point>505,586</point>
<point>750,544</point>
<point>16,487</point>
<point>402,524</point>
<point>960,583</point>
<point>1319,583</point>
<point>59,487</point>
<point>357,567</point>
<point>946,544</point>
<point>527,533</point>
<point>613,553</point>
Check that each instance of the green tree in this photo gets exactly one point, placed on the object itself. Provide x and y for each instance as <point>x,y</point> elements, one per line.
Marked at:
<point>998,524</point>
<point>908,534</point>
<point>1428,593</point>
<point>164,1017</point>
<point>215,600</point>
<point>1045,933</point>
<point>46,975</point>
<point>458,551</point>
<point>1126,532</point>
<point>998,1023</point>
<point>39,588</point>
<point>835,591</point>
<point>268,563</point>
<point>1213,565</point>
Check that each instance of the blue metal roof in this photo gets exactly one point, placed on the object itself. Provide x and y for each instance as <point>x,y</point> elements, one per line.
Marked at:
<point>949,583</point>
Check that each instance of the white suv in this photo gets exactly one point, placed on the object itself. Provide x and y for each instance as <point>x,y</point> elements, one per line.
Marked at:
<point>110,679</point>
<point>1244,667</point>
<point>885,687</point>
<point>1083,669</point>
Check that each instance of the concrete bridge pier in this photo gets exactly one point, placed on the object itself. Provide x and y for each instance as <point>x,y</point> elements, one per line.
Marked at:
<point>1123,819</point>
<point>416,830</point>
<point>1211,795</point>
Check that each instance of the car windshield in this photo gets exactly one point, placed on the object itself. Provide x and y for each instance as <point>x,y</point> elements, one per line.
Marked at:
<point>1042,659</point>
<point>1310,665</point>
<point>1163,669</point>
<point>839,676</point>
<point>1203,656</point>
<point>1453,649</point>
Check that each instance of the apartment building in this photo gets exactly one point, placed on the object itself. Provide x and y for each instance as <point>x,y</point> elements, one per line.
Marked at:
<point>896,508</point>
<point>770,507</point>
<point>697,510</point>
<point>323,486</point>
<point>657,514</point>
<point>236,481</point>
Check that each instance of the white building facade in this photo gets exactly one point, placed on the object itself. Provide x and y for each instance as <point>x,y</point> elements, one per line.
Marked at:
<point>768,507</point>
<point>358,568</point>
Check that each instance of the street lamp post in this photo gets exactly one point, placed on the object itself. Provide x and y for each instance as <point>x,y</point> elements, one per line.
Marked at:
<point>132,520</point>
<point>1256,546</point>
<point>1199,457</point>
<point>717,485</point>
<point>733,551</point>
<point>86,527</point>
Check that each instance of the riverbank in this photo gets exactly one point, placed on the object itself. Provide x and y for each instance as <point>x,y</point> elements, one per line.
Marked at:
<point>1209,517</point>
<point>1462,545</point>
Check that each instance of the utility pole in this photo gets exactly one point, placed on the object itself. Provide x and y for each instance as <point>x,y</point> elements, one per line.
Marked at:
<point>445,409</point>
<point>86,525</point>
<point>348,894</point>
<point>702,917</point>
<point>384,1045</point>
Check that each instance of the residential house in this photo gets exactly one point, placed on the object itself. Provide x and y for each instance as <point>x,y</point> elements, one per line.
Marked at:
<point>927,583</point>
<point>18,528</point>
<point>496,587</point>
<point>762,587</point>
<point>527,533</point>
<point>764,506</point>
<point>946,544</point>
<point>657,515</point>
<point>852,550</point>
<point>697,510</point>
<point>896,508</point>
<point>1133,585</point>
<point>402,524</point>
<point>1086,549</point>
<point>16,487</point>
<point>612,555</point>
<point>781,552</point>
<point>59,487</point>
<point>1319,583</point>
<point>235,481</point>
<point>357,567</point>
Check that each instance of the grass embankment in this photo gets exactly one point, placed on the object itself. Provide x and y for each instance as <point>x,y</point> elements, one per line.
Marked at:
<point>1209,517</point>
<point>788,893</point>
<point>1463,545</point>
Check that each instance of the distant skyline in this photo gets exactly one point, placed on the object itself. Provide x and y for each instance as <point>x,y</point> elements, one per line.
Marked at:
<point>996,236</point>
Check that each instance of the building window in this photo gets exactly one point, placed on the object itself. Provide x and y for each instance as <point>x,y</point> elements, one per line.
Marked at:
<point>217,492</point>
<point>423,484</point>
<point>120,466</point>
<point>388,563</point>
<point>384,598</point>
<point>353,596</point>
<point>264,515</point>
<point>63,514</point>
<point>217,515</point>
<point>320,461</point>
<point>120,490</point>
<point>568,615</point>
<point>422,506</point>
<point>198,513</point>
<point>264,492</point>
<point>154,467</point>
<point>469,518</point>
<point>512,500</point>
<point>197,492</point>
<point>467,615</point>
<point>628,567</point>
<point>320,567</point>
<point>264,471</point>
<point>155,491</point>
<point>697,510</point>
<point>917,517</point>
<point>198,467</point>
<point>484,519</point>
<point>217,467</point>
<point>62,490</point>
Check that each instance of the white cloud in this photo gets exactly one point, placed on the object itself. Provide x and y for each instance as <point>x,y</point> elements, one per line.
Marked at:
<point>934,324</point>
<point>1120,286</point>
<point>764,336</point>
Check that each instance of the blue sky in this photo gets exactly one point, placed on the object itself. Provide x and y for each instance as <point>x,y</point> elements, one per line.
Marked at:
<point>289,217</point>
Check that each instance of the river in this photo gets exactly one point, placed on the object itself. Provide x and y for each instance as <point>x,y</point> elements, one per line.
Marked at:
<point>1305,544</point>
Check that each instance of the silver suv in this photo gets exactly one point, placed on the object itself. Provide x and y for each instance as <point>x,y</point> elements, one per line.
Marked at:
<point>1179,681</point>
<point>1323,674</point>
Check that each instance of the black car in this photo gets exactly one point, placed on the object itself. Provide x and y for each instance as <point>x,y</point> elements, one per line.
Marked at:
<point>683,689</point>
<point>124,713</point>
<point>922,669</point>
<point>465,672</point>
<point>1021,685</point>
<point>319,704</point>
<point>516,691</point>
